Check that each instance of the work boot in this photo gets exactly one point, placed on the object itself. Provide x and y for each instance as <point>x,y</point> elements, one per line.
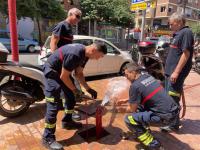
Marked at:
<point>169,128</point>
<point>76,116</point>
<point>71,125</point>
<point>52,145</point>
<point>154,145</point>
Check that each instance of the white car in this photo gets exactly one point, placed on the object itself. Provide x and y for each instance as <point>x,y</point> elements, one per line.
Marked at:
<point>113,62</point>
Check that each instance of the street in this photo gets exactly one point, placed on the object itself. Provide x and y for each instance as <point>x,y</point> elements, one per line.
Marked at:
<point>27,57</point>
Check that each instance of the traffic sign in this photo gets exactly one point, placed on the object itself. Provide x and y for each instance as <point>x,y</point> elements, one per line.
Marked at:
<point>137,1</point>
<point>138,6</point>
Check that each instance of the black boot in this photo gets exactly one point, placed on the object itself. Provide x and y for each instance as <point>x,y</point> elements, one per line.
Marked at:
<point>154,145</point>
<point>52,145</point>
<point>71,125</point>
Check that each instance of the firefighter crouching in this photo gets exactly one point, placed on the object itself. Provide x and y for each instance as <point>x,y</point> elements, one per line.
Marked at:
<point>157,106</point>
<point>60,90</point>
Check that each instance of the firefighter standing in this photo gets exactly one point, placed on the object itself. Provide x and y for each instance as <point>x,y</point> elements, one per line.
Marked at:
<point>179,60</point>
<point>59,86</point>
<point>62,32</point>
<point>157,105</point>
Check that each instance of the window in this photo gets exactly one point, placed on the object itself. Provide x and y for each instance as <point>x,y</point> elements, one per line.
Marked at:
<point>110,49</point>
<point>170,9</point>
<point>162,8</point>
<point>4,35</point>
<point>85,42</point>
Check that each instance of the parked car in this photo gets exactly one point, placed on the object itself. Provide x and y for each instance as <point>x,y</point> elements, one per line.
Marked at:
<point>113,62</point>
<point>152,39</point>
<point>23,44</point>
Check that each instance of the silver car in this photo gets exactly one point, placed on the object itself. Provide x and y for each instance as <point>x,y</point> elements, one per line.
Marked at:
<point>113,62</point>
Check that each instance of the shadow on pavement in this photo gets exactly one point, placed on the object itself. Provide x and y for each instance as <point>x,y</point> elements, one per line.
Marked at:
<point>190,127</point>
<point>111,139</point>
<point>35,112</point>
<point>171,142</point>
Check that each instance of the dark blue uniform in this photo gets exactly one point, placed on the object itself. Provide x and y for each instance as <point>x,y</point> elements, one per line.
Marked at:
<point>183,39</point>
<point>70,57</point>
<point>157,106</point>
<point>63,30</point>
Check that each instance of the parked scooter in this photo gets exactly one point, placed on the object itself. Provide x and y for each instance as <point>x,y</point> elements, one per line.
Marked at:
<point>20,86</point>
<point>152,59</point>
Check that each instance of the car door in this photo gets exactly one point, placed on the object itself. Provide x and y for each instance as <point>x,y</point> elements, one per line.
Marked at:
<point>5,40</point>
<point>21,43</point>
<point>110,63</point>
<point>91,67</point>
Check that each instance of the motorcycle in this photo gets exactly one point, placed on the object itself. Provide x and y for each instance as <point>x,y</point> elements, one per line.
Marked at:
<point>151,58</point>
<point>20,86</point>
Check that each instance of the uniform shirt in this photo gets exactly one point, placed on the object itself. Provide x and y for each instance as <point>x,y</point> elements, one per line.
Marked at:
<point>183,39</point>
<point>63,30</point>
<point>161,103</point>
<point>73,57</point>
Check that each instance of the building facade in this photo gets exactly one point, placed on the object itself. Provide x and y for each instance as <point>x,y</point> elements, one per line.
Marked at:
<point>158,17</point>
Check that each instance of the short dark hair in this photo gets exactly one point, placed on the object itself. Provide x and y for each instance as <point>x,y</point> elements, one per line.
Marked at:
<point>133,67</point>
<point>101,47</point>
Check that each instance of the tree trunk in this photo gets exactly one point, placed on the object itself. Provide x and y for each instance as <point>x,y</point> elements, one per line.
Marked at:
<point>39,31</point>
<point>95,27</point>
<point>89,27</point>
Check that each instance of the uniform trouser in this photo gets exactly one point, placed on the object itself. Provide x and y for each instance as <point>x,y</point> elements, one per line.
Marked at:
<point>136,122</point>
<point>55,101</point>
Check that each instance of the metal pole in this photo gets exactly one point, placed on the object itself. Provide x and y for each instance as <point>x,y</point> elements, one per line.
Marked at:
<point>13,29</point>
<point>143,24</point>
<point>184,5</point>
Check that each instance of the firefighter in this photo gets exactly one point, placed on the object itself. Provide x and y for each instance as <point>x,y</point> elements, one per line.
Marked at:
<point>62,34</point>
<point>179,60</point>
<point>155,105</point>
<point>59,87</point>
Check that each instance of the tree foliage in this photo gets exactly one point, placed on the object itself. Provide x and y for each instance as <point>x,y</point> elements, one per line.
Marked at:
<point>35,9</point>
<point>196,29</point>
<point>115,12</point>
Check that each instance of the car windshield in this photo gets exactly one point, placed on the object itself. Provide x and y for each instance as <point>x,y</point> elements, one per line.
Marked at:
<point>47,43</point>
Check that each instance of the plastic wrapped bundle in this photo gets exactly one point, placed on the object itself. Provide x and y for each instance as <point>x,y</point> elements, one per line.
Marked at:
<point>117,88</point>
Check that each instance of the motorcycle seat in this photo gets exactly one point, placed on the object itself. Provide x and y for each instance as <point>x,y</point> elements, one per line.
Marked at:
<point>38,67</point>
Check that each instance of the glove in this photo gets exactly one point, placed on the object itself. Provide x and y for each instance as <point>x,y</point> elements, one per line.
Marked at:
<point>92,92</point>
<point>77,94</point>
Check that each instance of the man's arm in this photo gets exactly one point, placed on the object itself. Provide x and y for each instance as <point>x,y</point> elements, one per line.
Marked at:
<point>130,109</point>
<point>80,76</point>
<point>180,65</point>
<point>65,77</point>
<point>54,42</point>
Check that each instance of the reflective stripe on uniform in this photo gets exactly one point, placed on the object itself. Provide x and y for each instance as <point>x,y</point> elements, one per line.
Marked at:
<point>173,93</point>
<point>132,121</point>
<point>50,126</point>
<point>63,102</point>
<point>69,111</point>
<point>146,138</point>
<point>50,99</point>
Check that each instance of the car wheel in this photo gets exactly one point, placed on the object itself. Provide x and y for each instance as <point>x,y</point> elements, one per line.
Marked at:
<point>31,48</point>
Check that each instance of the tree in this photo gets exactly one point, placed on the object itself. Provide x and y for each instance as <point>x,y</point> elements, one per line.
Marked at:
<point>196,29</point>
<point>36,9</point>
<point>115,12</point>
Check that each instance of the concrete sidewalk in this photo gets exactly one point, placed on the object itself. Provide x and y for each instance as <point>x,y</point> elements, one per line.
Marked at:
<point>24,132</point>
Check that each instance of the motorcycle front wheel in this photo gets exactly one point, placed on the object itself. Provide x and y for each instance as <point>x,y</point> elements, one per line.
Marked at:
<point>12,105</point>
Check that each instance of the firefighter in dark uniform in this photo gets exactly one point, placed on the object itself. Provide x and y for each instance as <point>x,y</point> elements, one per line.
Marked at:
<point>179,60</point>
<point>59,88</point>
<point>62,32</point>
<point>157,106</point>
